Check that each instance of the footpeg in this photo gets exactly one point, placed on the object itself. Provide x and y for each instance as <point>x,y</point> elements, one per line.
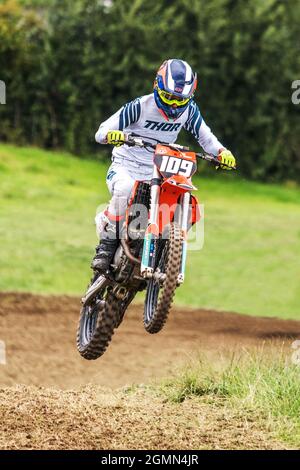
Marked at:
<point>120,292</point>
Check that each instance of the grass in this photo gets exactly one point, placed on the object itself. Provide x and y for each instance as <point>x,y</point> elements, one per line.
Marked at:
<point>264,384</point>
<point>250,261</point>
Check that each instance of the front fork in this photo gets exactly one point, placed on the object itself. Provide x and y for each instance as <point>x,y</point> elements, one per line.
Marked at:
<point>184,217</point>
<point>152,232</point>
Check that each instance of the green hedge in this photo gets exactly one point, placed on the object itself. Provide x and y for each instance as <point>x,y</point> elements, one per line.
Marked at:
<point>68,64</point>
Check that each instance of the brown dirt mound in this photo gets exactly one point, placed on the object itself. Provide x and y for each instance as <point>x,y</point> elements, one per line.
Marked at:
<point>40,331</point>
<point>95,418</point>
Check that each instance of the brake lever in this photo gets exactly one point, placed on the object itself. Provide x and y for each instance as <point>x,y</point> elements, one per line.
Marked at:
<point>212,159</point>
<point>220,165</point>
<point>137,141</point>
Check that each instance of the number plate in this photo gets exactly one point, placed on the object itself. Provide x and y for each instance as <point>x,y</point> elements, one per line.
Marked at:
<point>171,162</point>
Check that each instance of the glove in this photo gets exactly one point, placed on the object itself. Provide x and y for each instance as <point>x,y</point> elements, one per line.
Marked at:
<point>116,138</point>
<point>225,157</point>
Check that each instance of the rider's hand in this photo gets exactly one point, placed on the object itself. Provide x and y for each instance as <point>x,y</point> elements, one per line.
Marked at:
<point>226,159</point>
<point>116,138</point>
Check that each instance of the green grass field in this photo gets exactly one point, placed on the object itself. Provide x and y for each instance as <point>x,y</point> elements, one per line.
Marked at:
<point>250,262</point>
<point>263,383</point>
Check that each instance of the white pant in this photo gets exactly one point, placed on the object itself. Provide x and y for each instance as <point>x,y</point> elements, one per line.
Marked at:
<point>120,180</point>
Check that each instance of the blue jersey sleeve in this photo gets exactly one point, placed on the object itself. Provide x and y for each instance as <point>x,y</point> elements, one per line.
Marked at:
<point>129,114</point>
<point>196,125</point>
<point>194,120</point>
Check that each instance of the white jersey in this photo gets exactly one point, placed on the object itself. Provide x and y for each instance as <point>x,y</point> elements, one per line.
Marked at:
<point>143,117</point>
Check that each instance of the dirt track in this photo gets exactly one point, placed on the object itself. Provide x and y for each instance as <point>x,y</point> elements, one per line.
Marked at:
<point>39,333</point>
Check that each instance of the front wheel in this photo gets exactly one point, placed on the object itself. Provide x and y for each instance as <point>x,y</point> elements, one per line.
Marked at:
<point>98,320</point>
<point>161,290</point>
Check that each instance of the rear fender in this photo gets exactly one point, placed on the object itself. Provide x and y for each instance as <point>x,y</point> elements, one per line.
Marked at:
<point>133,193</point>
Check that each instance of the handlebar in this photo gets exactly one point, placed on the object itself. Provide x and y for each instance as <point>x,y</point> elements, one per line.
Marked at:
<point>133,140</point>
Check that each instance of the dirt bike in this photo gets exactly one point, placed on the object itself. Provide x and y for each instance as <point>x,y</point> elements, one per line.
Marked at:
<point>152,251</point>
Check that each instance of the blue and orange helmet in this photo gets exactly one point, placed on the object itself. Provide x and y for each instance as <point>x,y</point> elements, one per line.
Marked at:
<point>174,87</point>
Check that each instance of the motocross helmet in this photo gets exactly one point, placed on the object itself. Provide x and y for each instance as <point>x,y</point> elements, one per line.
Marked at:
<point>174,87</point>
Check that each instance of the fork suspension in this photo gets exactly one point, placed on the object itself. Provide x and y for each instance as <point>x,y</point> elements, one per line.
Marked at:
<point>185,205</point>
<point>152,232</point>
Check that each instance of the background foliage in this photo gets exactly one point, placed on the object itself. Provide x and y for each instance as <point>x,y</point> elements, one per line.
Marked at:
<point>68,64</point>
<point>250,261</point>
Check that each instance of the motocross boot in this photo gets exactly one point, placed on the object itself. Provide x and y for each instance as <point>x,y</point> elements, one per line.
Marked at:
<point>106,249</point>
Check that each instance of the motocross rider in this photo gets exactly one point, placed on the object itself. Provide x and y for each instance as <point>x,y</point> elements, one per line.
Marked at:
<point>158,117</point>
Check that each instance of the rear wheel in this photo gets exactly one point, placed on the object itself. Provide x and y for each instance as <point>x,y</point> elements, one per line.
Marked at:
<point>160,292</point>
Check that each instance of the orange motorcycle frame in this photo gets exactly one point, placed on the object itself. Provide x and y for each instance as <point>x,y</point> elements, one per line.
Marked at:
<point>171,188</point>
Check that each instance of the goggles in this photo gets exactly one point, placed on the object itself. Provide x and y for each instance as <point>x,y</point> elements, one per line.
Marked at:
<point>169,98</point>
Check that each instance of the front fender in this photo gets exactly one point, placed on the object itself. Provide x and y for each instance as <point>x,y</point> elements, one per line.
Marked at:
<point>168,202</point>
